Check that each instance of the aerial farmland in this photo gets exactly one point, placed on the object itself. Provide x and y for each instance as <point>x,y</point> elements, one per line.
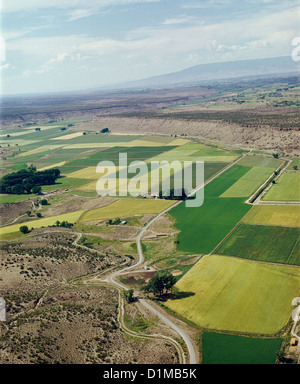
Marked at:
<point>235,258</point>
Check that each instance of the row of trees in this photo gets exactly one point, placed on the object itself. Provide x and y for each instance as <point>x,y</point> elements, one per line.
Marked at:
<point>28,180</point>
<point>174,195</point>
<point>64,224</point>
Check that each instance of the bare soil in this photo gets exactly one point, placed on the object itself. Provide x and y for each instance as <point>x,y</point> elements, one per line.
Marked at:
<point>72,202</point>
<point>80,328</point>
<point>51,321</point>
<point>10,211</point>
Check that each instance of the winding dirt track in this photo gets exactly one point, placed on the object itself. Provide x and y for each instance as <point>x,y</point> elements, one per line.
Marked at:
<point>86,280</point>
<point>111,278</point>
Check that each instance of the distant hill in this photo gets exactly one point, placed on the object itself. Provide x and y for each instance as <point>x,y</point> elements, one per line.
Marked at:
<point>218,71</point>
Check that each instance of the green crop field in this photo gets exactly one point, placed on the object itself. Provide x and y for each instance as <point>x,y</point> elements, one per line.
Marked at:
<point>112,154</point>
<point>263,243</point>
<point>260,161</point>
<point>230,349</point>
<point>225,180</point>
<point>99,138</point>
<point>280,215</point>
<point>287,188</point>
<point>71,217</point>
<point>202,228</point>
<point>14,198</point>
<point>191,153</point>
<point>249,182</point>
<point>295,163</point>
<point>225,293</point>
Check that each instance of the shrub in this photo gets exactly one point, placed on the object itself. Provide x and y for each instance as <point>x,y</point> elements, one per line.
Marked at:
<point>24,229</point>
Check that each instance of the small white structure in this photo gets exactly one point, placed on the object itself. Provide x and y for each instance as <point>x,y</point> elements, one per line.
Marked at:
<point>123,222</point>
<point>2,309</point>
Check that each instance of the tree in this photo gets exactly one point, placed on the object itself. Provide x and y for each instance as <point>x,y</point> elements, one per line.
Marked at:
<point>27,186</point>
<point>295,167</point>
<point>38,214</point>
<point>173,194</point>
<point>31,168</point>
<point>129,296</point>
<point>157,285</point>
<point>24,229</point>
<point>160,283</point>
<point>37,189</point>
<point>17,189</point>
<point>168,281</point>
<point>44,202</point>
<point>280,356</point>
<point>25,180</point>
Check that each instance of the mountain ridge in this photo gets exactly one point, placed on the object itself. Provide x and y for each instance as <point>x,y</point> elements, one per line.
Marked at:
<point>218,71</point>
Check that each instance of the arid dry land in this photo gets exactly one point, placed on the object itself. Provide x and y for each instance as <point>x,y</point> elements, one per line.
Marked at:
<point>77,277</point>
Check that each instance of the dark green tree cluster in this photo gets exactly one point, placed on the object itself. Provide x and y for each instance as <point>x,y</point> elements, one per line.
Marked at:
<point>160,283</point>
<point>117,221</point>
<point>64,224</point>
<point>28,180</point>
<point>173,195</point>
<point>129,295</point>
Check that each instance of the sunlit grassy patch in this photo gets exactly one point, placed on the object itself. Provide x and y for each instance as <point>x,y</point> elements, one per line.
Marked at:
<point>71,217</point>
<point>127,207</point>
<point>226,293</point>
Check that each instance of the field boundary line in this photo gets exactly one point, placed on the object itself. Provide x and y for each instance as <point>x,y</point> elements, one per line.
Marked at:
<point>266,186</point>
<point>257,261</point>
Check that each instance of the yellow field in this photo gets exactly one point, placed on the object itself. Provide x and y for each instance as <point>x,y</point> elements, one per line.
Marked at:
<point>280,215</point>
<point>38,150</point>
<point>26,131</point>
<point>88,187</point>
<point>32,152</point>
<point>52,166</point>
<point>93,145</point>
<point>227,293</point>
<point>71,217</point>
<point>121,185</point>
<point>178,142</point>
<point>133,143</point>
<point>15,134</point>
<point>127,207</point>
<point>89,173</point>
<point>142,143</point>
<point>67,137</point>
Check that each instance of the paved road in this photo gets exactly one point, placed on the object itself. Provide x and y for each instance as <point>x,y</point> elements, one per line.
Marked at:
<point>191,349</point>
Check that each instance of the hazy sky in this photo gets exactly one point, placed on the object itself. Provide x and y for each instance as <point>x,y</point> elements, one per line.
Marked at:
<point>75,44</point>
